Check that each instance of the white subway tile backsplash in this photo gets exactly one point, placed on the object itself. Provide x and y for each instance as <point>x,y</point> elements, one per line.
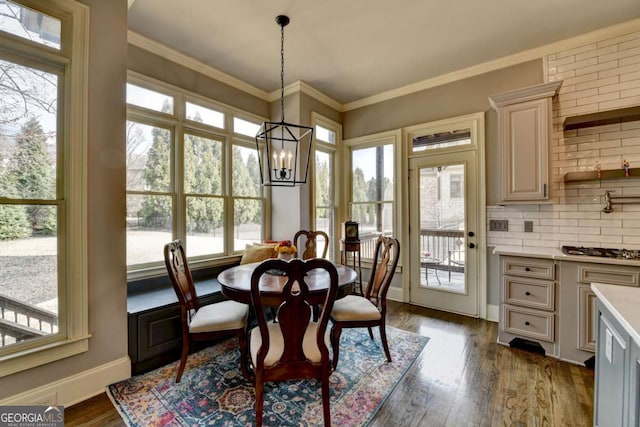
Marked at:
<point>598,76</point>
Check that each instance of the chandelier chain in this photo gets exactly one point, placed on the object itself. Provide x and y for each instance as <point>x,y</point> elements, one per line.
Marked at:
<point>282,73</point>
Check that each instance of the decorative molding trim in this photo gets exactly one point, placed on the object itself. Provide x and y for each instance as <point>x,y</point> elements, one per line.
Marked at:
<point>507,61</point>
<point>76,388</point>
<point>529,93</point>
<point>189,62</point>
<point>300,86</point>
<point>536,53</point>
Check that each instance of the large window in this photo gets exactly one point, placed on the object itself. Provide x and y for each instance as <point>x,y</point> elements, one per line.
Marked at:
<point>192,173</point>
<point>372,161</point>
<point>42,225</point>
<point>327,136</point>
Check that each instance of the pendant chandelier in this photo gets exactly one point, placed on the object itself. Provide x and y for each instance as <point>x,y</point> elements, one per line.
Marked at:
<point>287,145</point>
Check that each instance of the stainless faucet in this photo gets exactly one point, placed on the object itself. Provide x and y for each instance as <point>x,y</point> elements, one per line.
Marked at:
<point>607,198</point>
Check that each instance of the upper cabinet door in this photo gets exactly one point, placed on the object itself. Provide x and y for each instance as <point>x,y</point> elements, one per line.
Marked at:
<point>524,129</point>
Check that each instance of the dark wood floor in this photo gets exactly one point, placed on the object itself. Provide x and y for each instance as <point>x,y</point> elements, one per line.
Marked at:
<point>462,378</point>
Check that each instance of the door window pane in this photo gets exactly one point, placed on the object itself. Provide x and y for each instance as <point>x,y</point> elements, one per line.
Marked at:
<point>433,141</point>
<point>442,222</point>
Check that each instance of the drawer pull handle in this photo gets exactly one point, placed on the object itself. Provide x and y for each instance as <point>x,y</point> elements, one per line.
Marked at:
<point>527,323</point>
<point>527,269</point>
<point>527,293</point>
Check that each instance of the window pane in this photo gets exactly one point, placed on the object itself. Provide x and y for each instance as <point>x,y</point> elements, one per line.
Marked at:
<point>29,273</point>
<point>148,158</point>
<point>149,223</point>
<point>442,140</point>
<point>325,135</point>
<point>205,115</point>
<point>372,174</point>
<point>205,226</point>
<point>374,218</point>
<point>323,179</point>
<point>244,127</point>
<point>147,98</point>
<point>246,172</point>
<point>247,221</point>
<point>28,111</point>
<point>202,165</point>
<point>29,24</point>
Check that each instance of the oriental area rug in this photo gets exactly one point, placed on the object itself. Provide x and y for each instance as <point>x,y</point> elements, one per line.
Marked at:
<point>213,392</point>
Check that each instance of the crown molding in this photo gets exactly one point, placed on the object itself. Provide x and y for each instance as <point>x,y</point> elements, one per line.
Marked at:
<point>300,86</point>
<point>187,61</point>
<point>475,70</point>
<point>529,93</point>
<point>506,61</point>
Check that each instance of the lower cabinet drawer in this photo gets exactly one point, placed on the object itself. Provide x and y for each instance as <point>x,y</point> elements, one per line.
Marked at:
<point>533,293</point>
<point>525,322</point>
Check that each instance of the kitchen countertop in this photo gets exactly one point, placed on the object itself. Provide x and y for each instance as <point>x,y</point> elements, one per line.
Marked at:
<point>623,303</point>
<point>556,254</point>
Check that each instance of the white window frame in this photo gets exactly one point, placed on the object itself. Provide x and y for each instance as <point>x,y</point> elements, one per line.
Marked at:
<point>332,149</point>
<point>73,313</point>
<point>393,138</point>
<point>180,126</point>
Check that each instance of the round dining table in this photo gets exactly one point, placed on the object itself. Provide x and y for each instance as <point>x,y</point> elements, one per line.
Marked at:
<point>236,284</point>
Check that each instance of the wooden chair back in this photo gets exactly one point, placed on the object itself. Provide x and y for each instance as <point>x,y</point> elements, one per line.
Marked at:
<point>179,272</point>
<point>311,243</point>
<point>385,255</point>
<point>294,318</point>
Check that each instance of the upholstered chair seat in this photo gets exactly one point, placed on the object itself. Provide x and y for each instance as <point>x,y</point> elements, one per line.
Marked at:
<point>354,307</point>
<point>223,316</point>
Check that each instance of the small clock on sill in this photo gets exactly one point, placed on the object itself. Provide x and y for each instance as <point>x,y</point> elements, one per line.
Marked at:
<point>351,231</point>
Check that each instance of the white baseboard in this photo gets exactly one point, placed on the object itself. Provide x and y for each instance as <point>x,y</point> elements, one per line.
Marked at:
<point>395,294</point>
<point>493,312</point>
<point>74,389</point>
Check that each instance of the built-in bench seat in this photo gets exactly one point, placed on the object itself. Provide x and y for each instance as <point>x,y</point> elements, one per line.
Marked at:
<point>155,335</point>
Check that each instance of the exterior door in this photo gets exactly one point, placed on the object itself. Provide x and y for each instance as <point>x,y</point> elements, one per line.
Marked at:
<point>444,230</point>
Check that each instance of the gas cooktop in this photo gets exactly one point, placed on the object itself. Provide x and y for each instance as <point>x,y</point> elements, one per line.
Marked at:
<point>601,252</point>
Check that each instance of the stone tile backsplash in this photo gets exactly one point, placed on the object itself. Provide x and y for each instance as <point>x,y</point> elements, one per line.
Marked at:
<point>601,75</point>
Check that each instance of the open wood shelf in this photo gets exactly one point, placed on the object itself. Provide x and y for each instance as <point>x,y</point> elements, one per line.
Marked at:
<point>610,174</point>
<point>620,115</point>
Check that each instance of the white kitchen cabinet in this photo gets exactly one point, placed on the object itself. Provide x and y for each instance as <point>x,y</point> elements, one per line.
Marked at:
<point>528,303</point>
<point>524,130</point>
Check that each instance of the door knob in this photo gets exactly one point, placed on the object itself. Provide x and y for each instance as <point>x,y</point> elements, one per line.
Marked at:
<point>471,234</point>
<point>472,245</point>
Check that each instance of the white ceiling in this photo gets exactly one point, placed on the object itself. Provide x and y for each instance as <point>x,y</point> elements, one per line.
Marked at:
<point>354,49</point>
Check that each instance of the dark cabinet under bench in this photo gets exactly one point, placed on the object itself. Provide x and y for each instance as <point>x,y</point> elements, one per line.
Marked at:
<point>155,337</point>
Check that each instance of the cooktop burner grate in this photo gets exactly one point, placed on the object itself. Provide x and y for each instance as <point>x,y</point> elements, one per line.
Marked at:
<point>601,252</point>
